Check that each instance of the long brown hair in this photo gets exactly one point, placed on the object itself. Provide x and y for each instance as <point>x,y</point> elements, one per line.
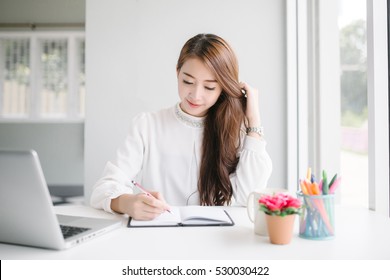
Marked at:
<point>224,120</point>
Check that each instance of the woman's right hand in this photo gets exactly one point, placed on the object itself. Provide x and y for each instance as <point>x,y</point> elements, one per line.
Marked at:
<point>252,105</point>
<point>140,206</point>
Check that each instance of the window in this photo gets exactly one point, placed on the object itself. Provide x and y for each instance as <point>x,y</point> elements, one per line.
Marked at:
<point>42,76</point>
<point>315,88</point>
<point>354,107</point>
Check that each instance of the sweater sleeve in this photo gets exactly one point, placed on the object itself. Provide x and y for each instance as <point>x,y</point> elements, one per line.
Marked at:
<point>253,169</point>
<point>117,174</point>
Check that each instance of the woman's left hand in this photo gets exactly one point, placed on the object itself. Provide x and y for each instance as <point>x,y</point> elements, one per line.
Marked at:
<point>252,105</point>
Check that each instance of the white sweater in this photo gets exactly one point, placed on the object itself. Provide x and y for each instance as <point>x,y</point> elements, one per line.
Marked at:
<point>162,152</point>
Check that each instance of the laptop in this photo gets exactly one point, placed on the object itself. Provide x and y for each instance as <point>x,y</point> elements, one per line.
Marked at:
<point>27,214</point>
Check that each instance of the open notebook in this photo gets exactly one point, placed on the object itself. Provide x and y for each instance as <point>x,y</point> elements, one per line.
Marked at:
<point>187,216</point>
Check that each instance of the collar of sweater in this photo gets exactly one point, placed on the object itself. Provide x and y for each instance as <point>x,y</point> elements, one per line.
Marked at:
<point>196,122</point>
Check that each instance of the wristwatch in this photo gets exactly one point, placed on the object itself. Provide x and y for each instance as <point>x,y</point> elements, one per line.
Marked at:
<point>259,130</point>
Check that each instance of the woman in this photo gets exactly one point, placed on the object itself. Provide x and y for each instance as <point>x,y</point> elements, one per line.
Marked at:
<point>207,150</point>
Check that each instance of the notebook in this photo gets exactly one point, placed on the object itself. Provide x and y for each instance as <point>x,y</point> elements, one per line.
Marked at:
<point>27,214</point>
<point>188,216</point>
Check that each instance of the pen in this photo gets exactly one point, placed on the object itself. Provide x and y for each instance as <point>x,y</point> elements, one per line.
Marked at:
<point>333,179</point>
<point>320,186</point>
<point>308,174</point>
<point>303,187</point>
<point>334,185</point>
<point>308,187</point>
<point>315,188</point>
<point>143,190</point>
<point>140,188</point>
<point>325,186</point>
<point>313,178</point>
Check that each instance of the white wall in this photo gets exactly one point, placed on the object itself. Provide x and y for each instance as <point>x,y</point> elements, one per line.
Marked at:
<point>132,48</point>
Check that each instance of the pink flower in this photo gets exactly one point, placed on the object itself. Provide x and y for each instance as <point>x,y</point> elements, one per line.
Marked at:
<point>280,204</point>
<point>293,202</point>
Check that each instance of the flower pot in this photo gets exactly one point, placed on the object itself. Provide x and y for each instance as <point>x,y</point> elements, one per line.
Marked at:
<point>280,229</point>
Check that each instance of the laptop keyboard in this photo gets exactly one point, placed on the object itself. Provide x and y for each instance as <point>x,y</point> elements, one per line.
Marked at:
<point>68,231</point>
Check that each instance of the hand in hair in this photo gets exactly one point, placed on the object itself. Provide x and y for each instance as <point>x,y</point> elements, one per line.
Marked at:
<point>252,106</point>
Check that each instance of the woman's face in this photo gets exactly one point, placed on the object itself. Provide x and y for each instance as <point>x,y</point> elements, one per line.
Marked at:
<point>198,88</point>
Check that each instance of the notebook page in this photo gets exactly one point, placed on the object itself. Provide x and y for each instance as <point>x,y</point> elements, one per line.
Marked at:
<point>165,219</point>
<point>203,215</point>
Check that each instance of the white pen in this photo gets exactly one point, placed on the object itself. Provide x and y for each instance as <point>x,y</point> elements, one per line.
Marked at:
<point>141,188</point>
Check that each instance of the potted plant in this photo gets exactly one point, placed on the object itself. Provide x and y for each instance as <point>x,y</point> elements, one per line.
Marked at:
<point>280,210</point>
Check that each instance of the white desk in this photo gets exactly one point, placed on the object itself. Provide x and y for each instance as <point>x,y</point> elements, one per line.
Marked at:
<point>360,234</point>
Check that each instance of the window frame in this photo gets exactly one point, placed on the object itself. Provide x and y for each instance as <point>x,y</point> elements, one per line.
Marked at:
<point>305,74</point>
<point>72,115</point>
<point>378,106</point>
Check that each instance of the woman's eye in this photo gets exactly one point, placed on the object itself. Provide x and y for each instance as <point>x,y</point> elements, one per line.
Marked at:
<point>187,82</point>
<point>209,88</point>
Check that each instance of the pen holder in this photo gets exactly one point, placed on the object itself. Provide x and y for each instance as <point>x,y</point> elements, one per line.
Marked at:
<point>317,218</point>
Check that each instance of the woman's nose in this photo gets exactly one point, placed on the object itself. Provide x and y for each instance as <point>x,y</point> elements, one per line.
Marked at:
<point>197,93</point>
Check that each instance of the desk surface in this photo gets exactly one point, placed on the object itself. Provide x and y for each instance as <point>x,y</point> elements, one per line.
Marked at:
<point>360,234</point>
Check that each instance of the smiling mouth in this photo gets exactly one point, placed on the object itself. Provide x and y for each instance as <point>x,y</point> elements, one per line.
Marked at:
<point>192,104</point>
